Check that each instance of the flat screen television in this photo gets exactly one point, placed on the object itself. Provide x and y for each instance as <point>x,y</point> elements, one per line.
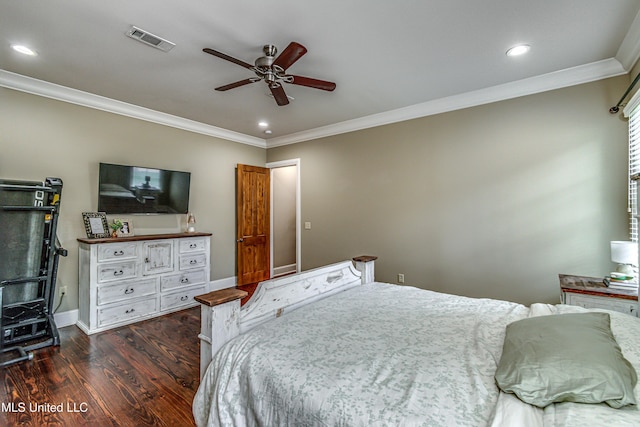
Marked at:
<point>142,190</point>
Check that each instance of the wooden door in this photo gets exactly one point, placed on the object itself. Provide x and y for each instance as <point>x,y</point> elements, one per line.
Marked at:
<point>253,224</point>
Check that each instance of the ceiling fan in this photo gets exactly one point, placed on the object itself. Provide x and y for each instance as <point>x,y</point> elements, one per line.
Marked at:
<point>273,71</point>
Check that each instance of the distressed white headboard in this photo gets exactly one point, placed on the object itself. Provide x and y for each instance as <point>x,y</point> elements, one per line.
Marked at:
<point>222,318</point>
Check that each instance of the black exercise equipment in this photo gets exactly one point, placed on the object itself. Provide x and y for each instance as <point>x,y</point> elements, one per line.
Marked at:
<point>29,253</point>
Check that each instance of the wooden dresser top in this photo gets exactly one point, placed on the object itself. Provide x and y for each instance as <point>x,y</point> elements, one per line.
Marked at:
<point>593,286</point>
<point>142,237</point>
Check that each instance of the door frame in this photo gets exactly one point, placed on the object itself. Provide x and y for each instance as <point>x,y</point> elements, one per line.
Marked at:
<point>279,164</point>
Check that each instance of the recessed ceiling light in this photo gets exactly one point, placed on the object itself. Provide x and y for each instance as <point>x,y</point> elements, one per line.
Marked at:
<point>24,50</point>
<point>518,50</point>
<point>263,124</point>
<point>268,132</point>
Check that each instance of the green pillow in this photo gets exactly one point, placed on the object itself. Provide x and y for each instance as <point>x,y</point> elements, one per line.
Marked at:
<point>565,358</point>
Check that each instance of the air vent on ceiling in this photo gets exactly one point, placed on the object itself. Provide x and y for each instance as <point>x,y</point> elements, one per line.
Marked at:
<point>150,39</point>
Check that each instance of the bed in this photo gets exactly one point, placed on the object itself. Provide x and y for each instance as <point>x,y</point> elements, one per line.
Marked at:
<point>332,347</point>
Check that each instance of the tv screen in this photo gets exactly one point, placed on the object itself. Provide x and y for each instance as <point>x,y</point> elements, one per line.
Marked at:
<point>141,190</point>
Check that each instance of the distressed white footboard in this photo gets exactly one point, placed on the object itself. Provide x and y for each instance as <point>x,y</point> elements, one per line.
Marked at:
<point>222,318</point>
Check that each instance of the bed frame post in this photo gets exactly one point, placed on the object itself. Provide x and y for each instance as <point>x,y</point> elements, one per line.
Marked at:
<point>365,264</point>
<point>219,322</point>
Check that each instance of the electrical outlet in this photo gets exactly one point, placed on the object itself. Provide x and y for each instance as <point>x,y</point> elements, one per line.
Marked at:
<point>400,278</point>
<point>63,290</point>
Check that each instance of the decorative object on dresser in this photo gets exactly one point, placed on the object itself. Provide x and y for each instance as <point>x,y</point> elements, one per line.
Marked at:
<point>191,222</point>
<point>95,225</point>
<point>592,292</point>
<point>127,228</point>
<point>29,256</point>
<point>115,226</point>
<point>129,279</point>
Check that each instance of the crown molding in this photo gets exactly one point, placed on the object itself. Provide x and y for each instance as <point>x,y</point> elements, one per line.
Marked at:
<point>556,80</point>
<point>629,50</point>
<point>546,82</point>
<point>62,93</point>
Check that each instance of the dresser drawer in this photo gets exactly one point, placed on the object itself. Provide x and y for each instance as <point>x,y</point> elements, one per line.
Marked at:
<point>198,260</point>
<point>116,271</point>
<point>187,278</point>
<point>126,290</point>
<point>193,245</point>
<point>178,299</point>
<point>126,311</point>
<point>114,251</point>
<point>606,303</point>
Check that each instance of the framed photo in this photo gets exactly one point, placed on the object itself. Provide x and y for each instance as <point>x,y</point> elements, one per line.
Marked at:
<point>127,228</point>
<point>95,224</point>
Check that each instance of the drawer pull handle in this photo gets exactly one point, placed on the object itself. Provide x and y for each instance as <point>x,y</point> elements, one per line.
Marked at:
<point>184,298</point>
<point>184,280</point>
<point>193,262</point>
<point>128,291</point>
<point>193,246</point>
<point>118,273</point>
<point>118,253</point>
<point>131,310</point>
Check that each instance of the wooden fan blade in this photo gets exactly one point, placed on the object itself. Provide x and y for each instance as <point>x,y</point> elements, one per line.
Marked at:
<point>238,84</point>
<point>291,54</point>
<point>314,83</point>
<point>227,57</point>
<point>279,95</point>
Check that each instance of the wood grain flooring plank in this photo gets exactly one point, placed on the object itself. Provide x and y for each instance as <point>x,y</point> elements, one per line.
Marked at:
<point>145,374</point>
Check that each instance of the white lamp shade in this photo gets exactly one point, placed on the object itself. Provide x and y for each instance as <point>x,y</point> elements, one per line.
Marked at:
<point>623,252</point>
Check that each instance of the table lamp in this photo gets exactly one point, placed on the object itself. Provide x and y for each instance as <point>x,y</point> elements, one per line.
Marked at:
<point>625,254</point>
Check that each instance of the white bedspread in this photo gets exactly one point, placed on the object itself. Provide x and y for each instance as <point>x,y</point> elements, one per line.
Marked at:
<point>375,355</point>
<point>386,355</point>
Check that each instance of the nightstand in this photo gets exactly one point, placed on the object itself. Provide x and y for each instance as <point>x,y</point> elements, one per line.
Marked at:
<point>591,292</point>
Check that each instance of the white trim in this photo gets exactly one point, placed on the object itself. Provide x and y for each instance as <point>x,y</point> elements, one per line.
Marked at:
<point>564,78</point>
<point>279,164</point>
<point>227,282</point>
<point>632,104</point>
<point>546,82</point>
<point>629,50</point>
<point>66,318</point>
<point>61,93</point>
<point>285,269</point>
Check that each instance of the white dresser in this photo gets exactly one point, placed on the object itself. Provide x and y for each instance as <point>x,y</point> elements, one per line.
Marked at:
<point>591,292</point>
<point>129,279</point>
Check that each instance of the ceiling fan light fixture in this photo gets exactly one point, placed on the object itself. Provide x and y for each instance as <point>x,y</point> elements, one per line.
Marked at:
<point>518,50</point>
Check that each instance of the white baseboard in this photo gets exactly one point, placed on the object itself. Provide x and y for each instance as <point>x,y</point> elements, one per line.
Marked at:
<point>228,282</point>
<point>66,318</point>
<point>285,269</point>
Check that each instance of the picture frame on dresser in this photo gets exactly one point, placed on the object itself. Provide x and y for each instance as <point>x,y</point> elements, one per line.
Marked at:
<point>127,228</point>
<point>95,225</point>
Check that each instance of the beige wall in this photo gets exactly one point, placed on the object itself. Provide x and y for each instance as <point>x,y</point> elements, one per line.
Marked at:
<point>491,201</point>
<point>284,181</point>
<point>40,137</point>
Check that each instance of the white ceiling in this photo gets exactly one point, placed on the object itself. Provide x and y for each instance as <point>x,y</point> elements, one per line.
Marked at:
<point>390,60</point>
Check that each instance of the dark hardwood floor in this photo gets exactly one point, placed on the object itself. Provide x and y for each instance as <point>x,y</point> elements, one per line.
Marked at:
<point>144,374</point>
